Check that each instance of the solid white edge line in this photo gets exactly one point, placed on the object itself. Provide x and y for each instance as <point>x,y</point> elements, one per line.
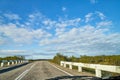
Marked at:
<point>62,70</point>
<point>24,73</point>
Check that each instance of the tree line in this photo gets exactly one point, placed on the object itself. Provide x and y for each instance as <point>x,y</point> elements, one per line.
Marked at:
<point>101,59</point>
<point>12,58</point>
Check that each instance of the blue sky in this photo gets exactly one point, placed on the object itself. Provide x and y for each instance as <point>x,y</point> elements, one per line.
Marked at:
<point>41,28</point>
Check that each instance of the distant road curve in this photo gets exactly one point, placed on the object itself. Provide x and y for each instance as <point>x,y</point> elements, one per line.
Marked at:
<point>39,70</point>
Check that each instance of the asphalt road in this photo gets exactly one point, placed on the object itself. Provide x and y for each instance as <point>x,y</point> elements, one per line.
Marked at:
<point>39,70</point>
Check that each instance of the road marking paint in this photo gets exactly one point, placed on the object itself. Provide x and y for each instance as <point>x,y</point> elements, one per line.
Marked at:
<point>61,70</point>
<point>19,77</point>
<point>24,73</point>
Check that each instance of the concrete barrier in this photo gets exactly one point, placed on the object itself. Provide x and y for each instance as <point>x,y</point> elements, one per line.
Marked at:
<point>98,68</point>
<point>8,63</point>
<point>2,64</point>
<point>12,62</point>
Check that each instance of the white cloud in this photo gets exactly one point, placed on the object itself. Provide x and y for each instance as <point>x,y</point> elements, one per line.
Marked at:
<point>94,16</point>
<point>49,23</point>
<point>4,53</point>
<point>104,24</point>
<point>12,16</point>
<point>88,17</point>
<point>65,35</point>
<point>101,15</point>
<point>93,1</point>
<point>63,24</point>
<point>63,8</point>
<point>87,40</point>
<point>13,51</point>
<point>22,35</point>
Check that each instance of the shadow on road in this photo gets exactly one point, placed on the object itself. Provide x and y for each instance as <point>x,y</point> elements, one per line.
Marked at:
<point>11,68</point>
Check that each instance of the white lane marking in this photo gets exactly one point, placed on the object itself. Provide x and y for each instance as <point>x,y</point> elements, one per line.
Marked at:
<point>24,73</point>
<point>61,70</point>
<point>19,77</point>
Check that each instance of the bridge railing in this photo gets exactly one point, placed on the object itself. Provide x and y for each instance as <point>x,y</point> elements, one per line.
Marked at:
<point>98,67</point>
<point>4,63</point>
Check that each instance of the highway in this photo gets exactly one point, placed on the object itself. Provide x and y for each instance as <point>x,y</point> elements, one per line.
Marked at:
<point>39,70</point>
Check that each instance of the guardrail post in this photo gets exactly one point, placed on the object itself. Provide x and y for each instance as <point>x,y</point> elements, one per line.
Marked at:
<point>2,64</point>
<point>16,62</point>
<point>79,69</point>
<point>12,62</point>
<point>61,64</point>
<point>98,73</point>
<point>70,66</point>
<point>8,63</point>
<point>19,61</point>
<point>64,65</point>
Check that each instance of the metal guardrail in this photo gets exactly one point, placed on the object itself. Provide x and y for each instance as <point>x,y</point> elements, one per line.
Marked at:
<point>11,62</point>
<point>98,68</point>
